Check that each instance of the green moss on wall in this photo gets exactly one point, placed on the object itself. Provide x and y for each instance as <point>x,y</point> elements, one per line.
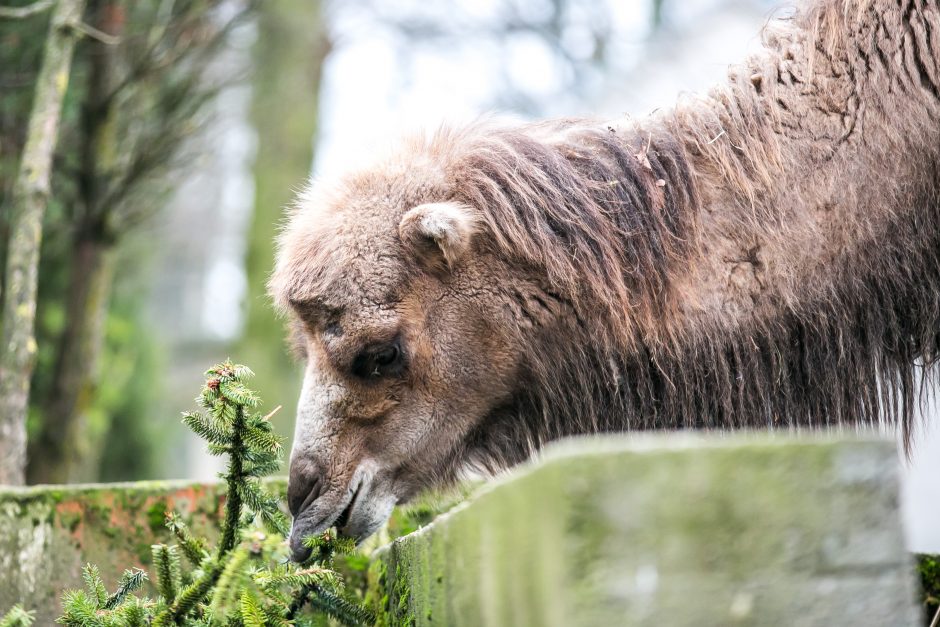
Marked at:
<point>928,567</point>
<point>673,530</point>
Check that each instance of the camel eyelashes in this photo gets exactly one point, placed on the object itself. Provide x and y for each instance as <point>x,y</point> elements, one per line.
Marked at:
<point>379,361</point>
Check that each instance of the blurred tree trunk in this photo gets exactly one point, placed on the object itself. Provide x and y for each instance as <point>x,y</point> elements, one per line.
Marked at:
<point>60,446</point>
<point>29,200</point>
<point>657,14</point>
<point>288,58</point>
<point>61,443</point>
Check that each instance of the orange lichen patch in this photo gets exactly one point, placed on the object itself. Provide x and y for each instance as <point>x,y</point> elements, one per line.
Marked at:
<point>71,516</point>
<point>188,499</point>
<point>119,517</point>
<point>117,514</point>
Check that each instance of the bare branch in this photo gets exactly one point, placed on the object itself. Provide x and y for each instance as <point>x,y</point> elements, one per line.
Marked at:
<point>19,13</point>
<point>94,33</point>
<point>151,64</point>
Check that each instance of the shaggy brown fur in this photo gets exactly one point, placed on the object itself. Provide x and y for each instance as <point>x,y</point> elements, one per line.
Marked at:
<point>767,255</point>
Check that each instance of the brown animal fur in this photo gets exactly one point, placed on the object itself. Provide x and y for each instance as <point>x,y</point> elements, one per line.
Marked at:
<point>767,255</point>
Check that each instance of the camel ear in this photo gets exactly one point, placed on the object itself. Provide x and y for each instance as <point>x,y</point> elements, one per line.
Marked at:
<point>438,233</point>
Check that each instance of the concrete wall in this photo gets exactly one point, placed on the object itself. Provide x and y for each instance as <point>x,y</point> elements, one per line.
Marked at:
<point>665,531</point>
<point>654,530</point>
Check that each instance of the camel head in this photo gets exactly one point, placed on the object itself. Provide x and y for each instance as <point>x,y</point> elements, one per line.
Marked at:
<point>392,311</point>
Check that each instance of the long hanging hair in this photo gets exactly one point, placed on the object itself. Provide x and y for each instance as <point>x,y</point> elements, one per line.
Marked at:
<point>611,219</point>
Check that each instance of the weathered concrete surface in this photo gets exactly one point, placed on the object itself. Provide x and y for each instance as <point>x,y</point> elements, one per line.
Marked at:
<point>48,533</point>
<point>666,530</point>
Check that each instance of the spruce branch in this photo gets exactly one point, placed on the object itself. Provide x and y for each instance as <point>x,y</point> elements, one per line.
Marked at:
<point>234,479</point>
<point>259,438</point>
<point>206,428</point>
<point>194,549</point>
<point>276,522</point>
<point>251,612</point>
<point>218,450</point>
<point>237,393</point>
<point>133,614</point>
<point>325,598</point>
<point>189,597</point>
<point>94,585</point>
<point>326,545</point>
<point>131,580</point>
<point>167,562</point>
<point>79,609</point>
<point>335,606</point>
<point>262,467</point>
<point>256,498</point>
<point>274,616</point>
<point>17,617</point>
<point>230,583</point>
<point>296,577</point>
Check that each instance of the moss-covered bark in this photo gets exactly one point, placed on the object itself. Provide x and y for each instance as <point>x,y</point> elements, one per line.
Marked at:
<point>29,200</point>
<point>61,443</point>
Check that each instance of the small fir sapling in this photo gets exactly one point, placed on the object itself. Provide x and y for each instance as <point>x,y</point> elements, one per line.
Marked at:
<point>247,580</point>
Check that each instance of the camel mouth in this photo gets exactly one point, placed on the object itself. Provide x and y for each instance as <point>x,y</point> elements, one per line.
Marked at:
<point>342,521</point>
<point>356,511</point>
<point>307,523</point>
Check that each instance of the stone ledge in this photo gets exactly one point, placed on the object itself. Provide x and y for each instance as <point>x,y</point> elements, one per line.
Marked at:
<point>665,530</point>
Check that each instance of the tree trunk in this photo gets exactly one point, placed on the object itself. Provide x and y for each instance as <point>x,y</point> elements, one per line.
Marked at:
<point>288,57</point>
<point>29,199</point>
<point>61,441</point>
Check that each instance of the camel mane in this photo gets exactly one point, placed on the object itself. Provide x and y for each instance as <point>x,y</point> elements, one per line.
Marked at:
<point>830,318</point>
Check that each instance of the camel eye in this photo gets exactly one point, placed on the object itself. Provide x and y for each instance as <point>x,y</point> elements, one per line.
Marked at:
<point>387,356</point>
<point>379,361</point>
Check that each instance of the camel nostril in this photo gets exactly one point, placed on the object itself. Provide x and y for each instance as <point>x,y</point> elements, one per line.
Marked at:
<point>301,492</point>
<point>299,551</point>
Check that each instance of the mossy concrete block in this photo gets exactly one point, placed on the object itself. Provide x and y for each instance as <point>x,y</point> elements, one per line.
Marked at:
<point>665,530</point>
<point>48,533</point>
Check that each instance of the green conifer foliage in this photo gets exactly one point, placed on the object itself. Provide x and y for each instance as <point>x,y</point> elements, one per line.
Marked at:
<point>17,617</point>
<point>928,567</point>
<point>247,579</point>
